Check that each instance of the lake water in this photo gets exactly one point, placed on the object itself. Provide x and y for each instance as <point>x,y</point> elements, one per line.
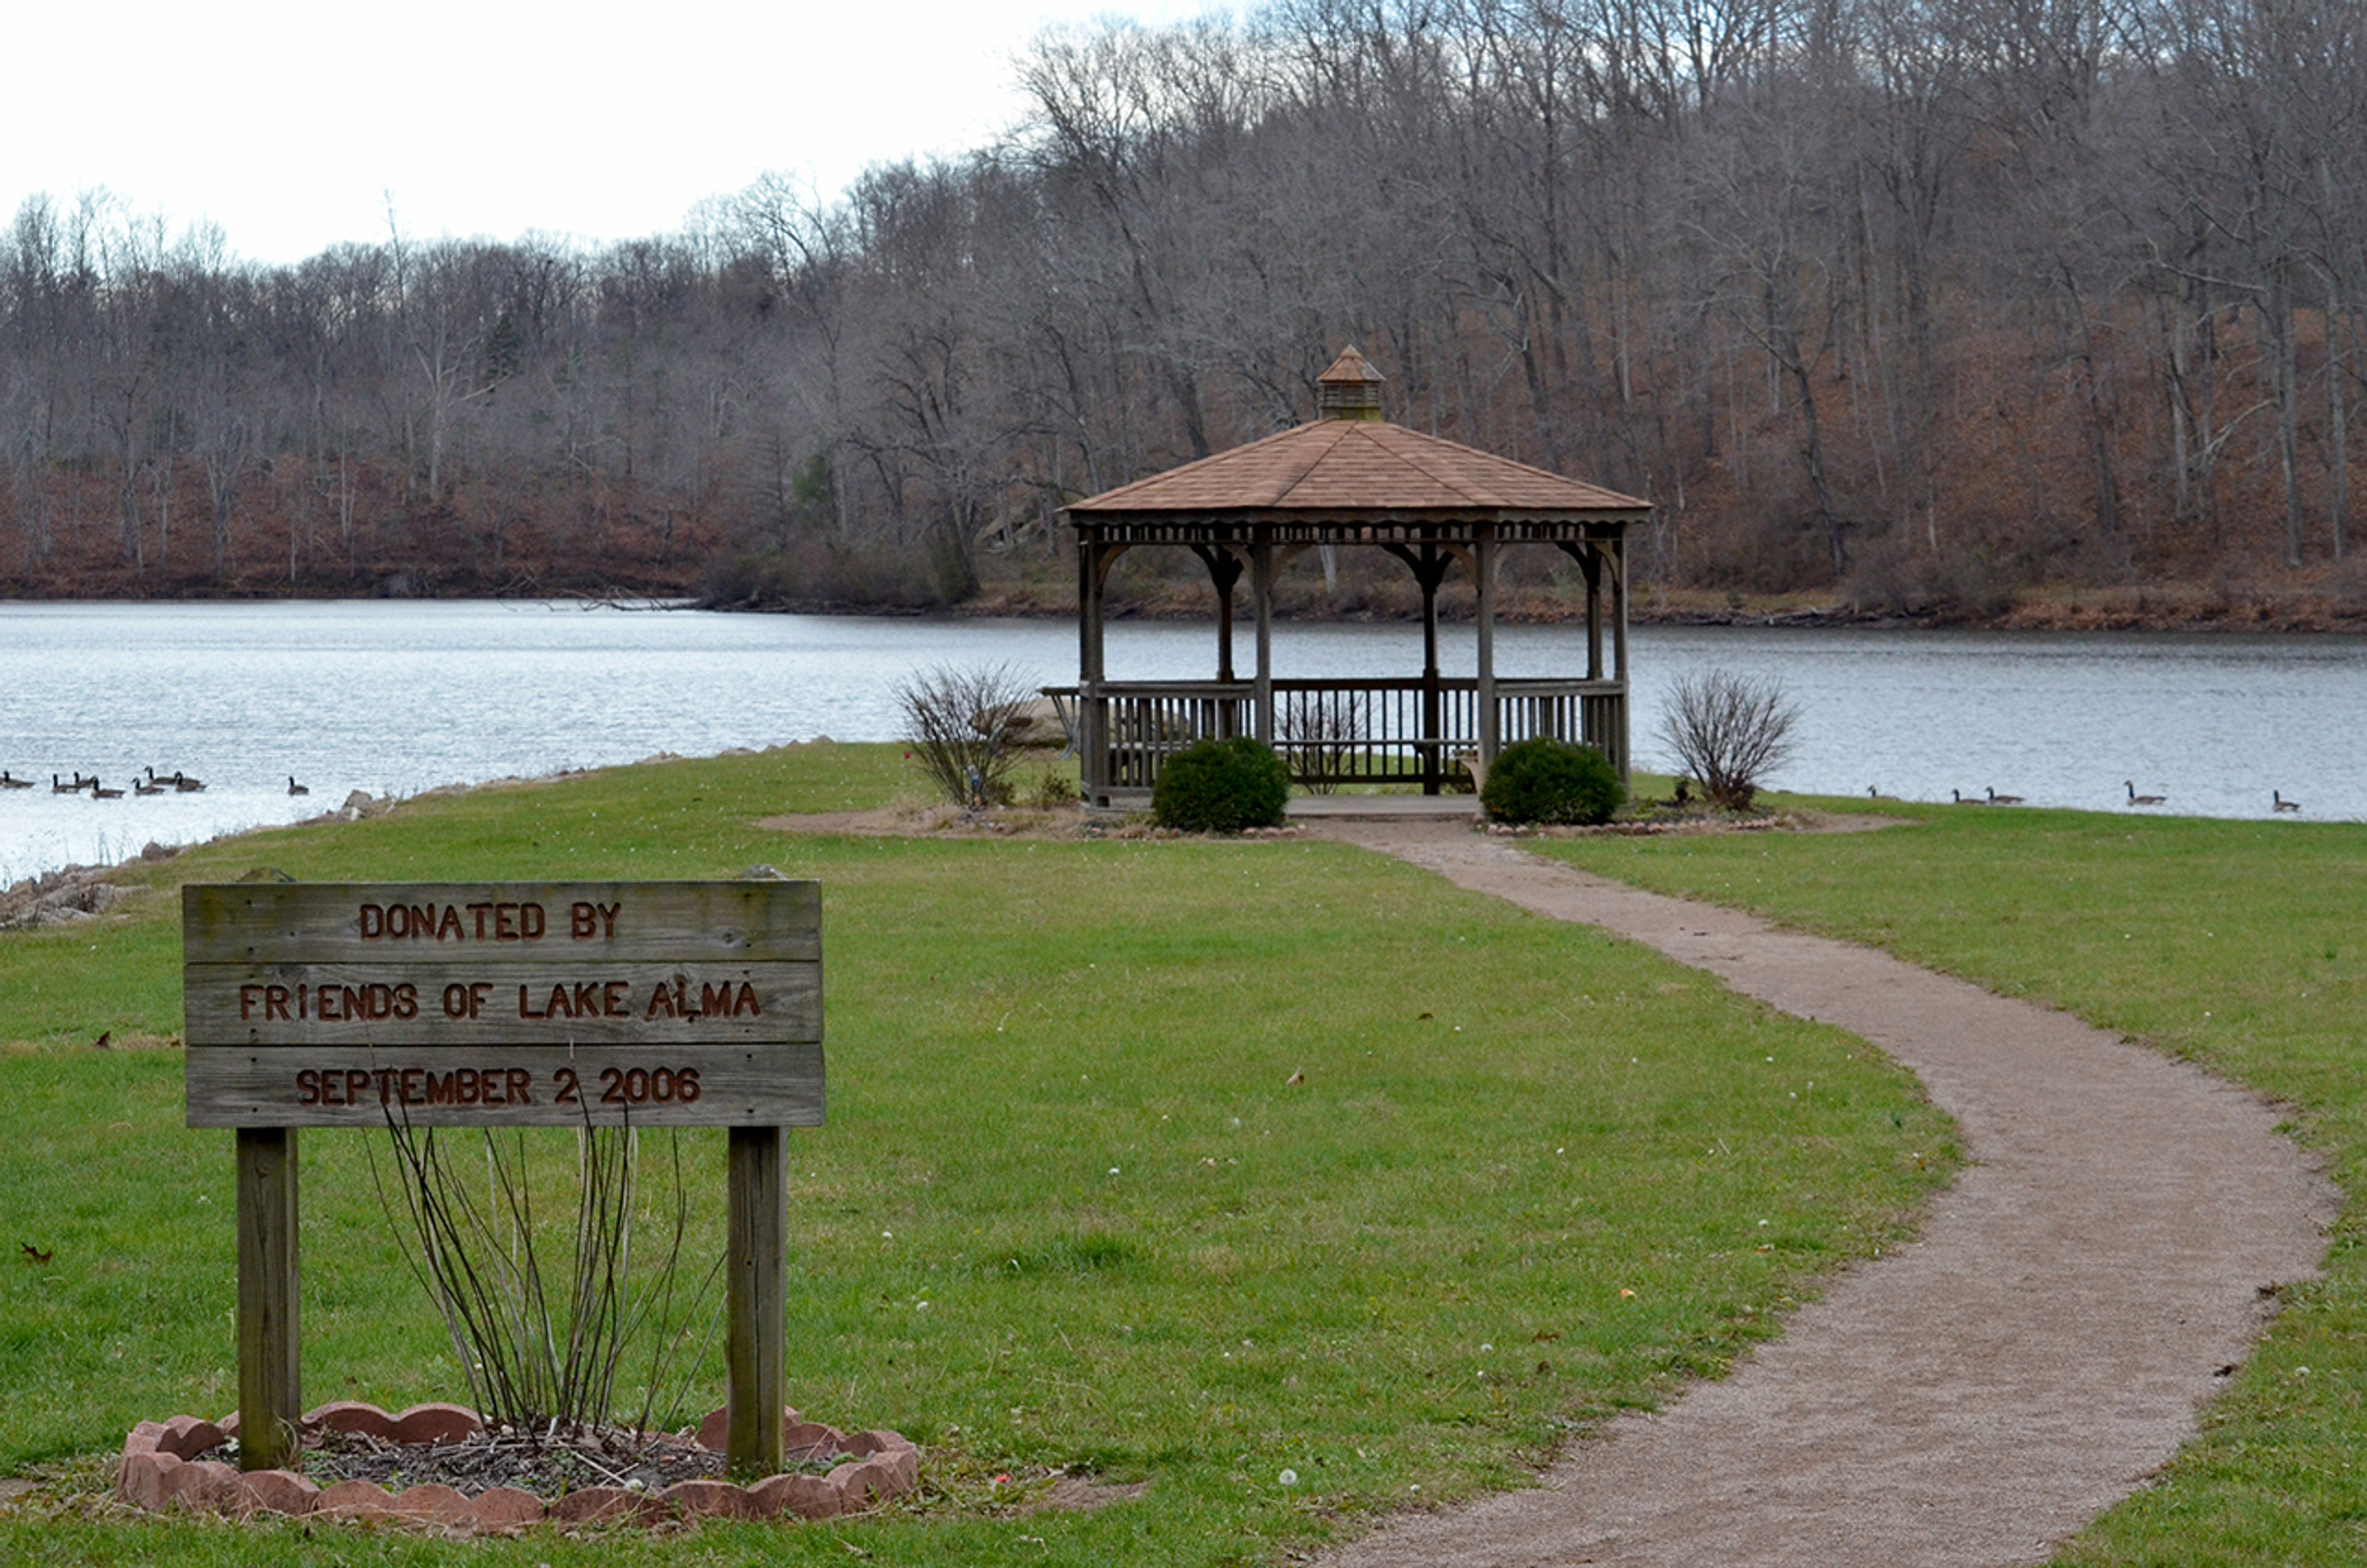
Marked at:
<point>398,697</point>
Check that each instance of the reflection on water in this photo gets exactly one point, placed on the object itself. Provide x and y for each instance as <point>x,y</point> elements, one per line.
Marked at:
<point>389,697</point>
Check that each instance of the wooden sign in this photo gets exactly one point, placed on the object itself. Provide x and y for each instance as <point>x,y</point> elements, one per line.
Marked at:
<point>504,1004</point>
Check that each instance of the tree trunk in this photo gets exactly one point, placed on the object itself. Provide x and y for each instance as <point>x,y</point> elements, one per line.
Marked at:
<point>2096,395</point>
<point>2337,420</point>
<point>2276,311</point>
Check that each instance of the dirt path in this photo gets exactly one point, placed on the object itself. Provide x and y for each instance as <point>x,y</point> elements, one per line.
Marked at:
<point>2111,1251</point>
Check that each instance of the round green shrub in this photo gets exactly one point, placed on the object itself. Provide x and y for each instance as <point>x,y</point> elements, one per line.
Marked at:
<point>1552,780</point>
<point>1221,787</point>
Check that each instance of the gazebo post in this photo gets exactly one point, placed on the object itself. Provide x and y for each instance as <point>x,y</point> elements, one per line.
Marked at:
<point>1262,593</point>
<point>1092,718</point>
<point>1596,557</point>
<point>1429,568</point>
<point>1591,563</point>
<point>1224,572</point>
<point>1433,760</point>
<point>1224,622</point>
<point>1484,568</point>
<point>1617,554</point>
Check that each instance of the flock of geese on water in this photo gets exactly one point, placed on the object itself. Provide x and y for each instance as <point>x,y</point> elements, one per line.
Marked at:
<point>175,783</point>
<point>1992,798</point>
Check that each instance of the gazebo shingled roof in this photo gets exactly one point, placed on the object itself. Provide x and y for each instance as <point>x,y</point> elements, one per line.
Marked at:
<point>1350,478</point>
<point>1339,466</point>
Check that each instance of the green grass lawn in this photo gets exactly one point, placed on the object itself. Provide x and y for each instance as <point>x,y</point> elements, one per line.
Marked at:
<point>2242,945</point>
<point>1067,1214</point>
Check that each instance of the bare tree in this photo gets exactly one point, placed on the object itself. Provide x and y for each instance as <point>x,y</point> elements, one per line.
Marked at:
<point>1729,731</point>
<point>2062,287</point>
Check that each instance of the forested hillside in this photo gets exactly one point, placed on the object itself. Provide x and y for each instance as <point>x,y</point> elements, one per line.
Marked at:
<point>1906,306</point>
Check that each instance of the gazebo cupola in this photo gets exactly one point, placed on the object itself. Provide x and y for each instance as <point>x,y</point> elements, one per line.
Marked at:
<point>1351,389</point>
<point>1350,479</point>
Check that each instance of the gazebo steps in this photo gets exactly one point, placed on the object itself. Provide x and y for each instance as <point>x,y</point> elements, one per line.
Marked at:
<point>1326,807</point>
<point>1380,808</point>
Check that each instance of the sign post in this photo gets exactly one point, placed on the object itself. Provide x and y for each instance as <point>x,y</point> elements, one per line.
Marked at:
<point>755,1303</point>
<point>270,1380</point>
<point>614,1004</point>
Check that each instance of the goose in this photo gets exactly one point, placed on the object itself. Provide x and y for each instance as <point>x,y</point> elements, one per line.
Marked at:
<point>2282,803</point>
<point>8,783</point>
<point>1960,798</point>
<point>80,783</point>
<point>1997,799</point>
<point>1873,794</point>
<point>99,792</point>
<point>295,788</point>
<point>2136,799</point>
<point>147,786</point>
<point>186,784</point>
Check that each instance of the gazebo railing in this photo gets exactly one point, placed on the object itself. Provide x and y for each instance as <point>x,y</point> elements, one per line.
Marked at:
<point>1340,732</point>
<point>1145,723</point>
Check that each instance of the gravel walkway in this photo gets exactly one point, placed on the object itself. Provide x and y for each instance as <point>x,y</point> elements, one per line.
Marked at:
<point>2111,1250</point>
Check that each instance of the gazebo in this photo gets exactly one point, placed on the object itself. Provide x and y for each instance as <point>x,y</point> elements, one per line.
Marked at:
<point>1350,478</point>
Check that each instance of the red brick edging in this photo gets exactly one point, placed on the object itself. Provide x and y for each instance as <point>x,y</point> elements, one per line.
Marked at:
<point>160,1468</point>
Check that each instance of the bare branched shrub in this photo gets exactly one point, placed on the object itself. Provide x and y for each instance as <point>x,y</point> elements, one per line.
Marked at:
<point>1322,734</point>
<point>1728,731</point>
<point>544,1313</point>
<point>964,724</point>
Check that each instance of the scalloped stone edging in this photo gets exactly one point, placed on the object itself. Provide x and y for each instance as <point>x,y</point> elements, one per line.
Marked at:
<point>161,1469</point>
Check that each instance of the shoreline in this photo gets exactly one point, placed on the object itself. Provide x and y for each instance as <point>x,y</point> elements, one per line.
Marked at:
<point>2239,609</point>
<point>2093,615</point>
<point>2184,613</point>
<point>70,894</point>
<point>2319,602</point>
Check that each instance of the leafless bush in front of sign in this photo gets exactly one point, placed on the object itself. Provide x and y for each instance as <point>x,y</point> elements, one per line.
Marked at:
<point>964,724</point>
<point>544,1313</point>
<point>1729,731</point>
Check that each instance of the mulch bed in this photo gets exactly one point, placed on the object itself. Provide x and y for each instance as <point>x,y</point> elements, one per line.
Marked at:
<point>439,1466</point>
<point>547,1463</point>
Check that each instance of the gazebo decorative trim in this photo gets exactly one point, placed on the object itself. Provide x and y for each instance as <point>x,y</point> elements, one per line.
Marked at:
<point>1349,479</point>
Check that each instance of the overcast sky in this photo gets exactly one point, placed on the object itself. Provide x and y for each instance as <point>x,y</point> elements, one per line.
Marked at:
<point>293,126</point>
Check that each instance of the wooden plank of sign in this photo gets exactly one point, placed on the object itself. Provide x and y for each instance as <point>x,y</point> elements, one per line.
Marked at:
<point>441,999</point>
<point>665,922</point>
<point>538,1086</point>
